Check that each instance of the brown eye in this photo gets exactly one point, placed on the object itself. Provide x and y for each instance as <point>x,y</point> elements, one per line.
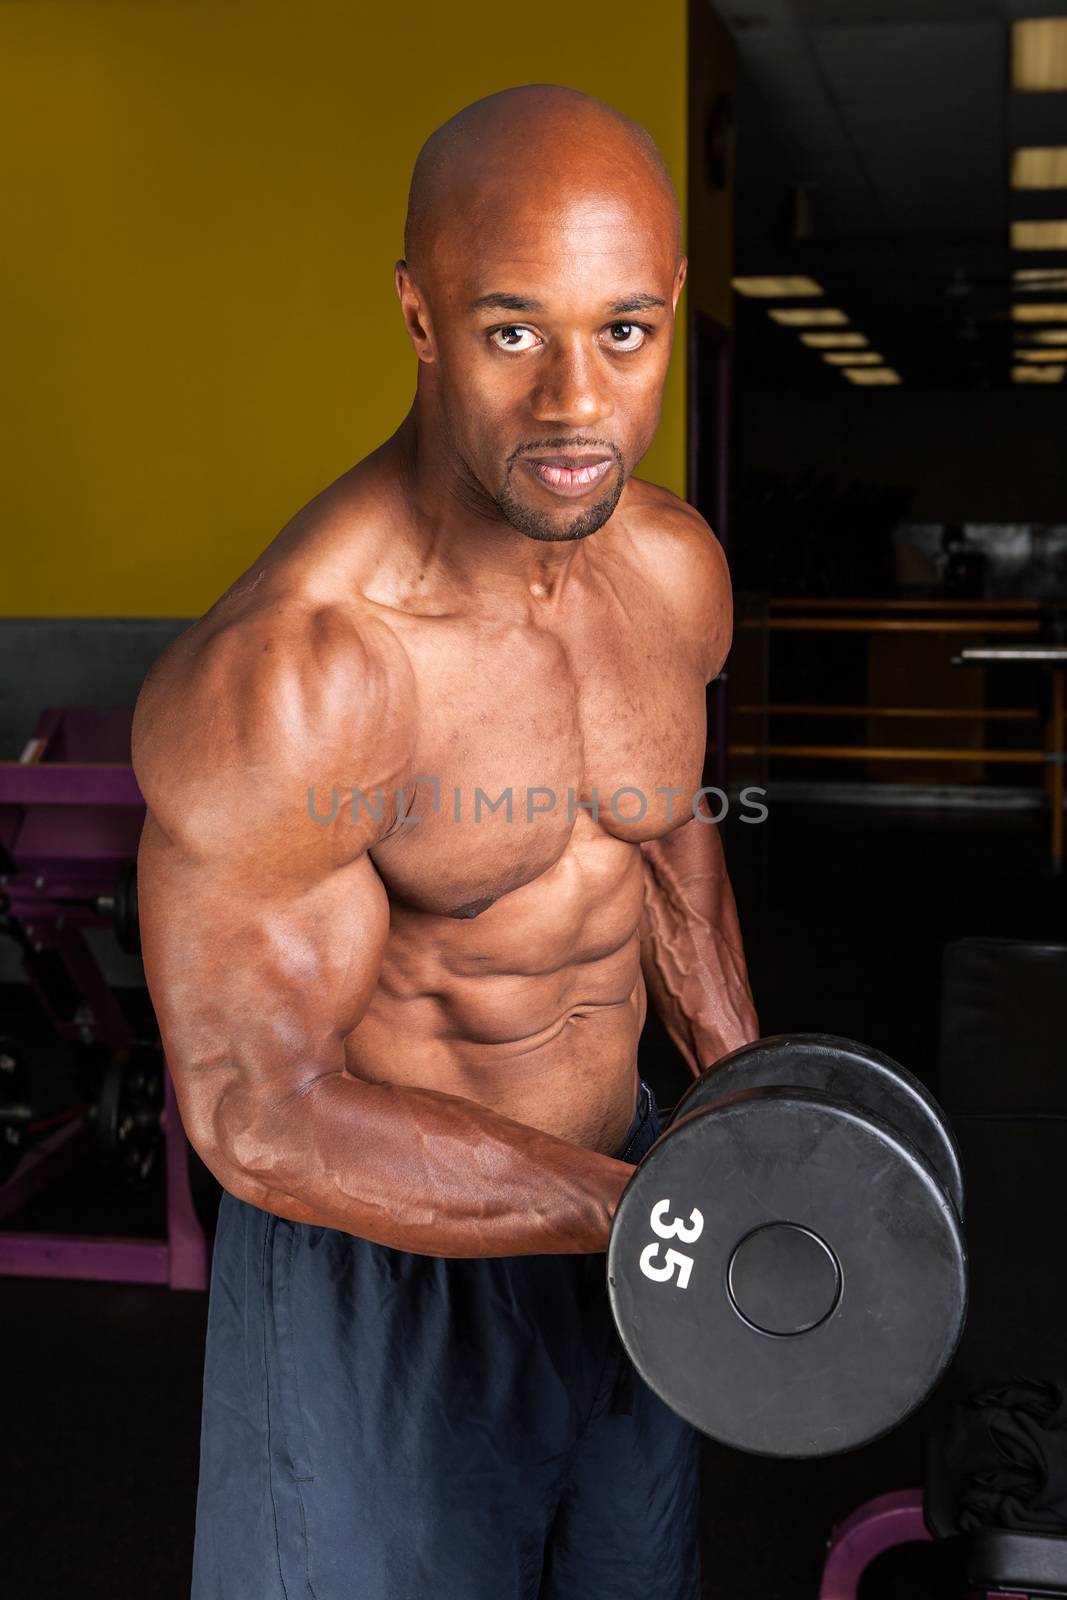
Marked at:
<point>627,335</point>
<point>505,338</point>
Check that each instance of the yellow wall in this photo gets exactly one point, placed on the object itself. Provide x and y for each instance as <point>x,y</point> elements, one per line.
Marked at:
<point>202,202</point>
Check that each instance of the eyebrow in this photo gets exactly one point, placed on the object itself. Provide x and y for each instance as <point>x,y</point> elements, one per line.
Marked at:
<point>522,302</point>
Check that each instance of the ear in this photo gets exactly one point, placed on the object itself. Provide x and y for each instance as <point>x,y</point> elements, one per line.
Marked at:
<point>415,313</point>
<point>679,280</point>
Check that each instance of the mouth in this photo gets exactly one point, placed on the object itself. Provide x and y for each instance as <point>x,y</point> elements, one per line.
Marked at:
<point>569,476</point>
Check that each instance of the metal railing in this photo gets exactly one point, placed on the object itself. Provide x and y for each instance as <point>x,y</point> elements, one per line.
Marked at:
<point>981,621</point>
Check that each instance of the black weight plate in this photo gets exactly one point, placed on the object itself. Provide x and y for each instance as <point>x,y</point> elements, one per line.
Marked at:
<point>843,1070</point>
<point>816,1217</point>
<point>129,1112</point>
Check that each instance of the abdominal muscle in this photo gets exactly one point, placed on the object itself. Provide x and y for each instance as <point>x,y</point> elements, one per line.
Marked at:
<point>557,1051</point>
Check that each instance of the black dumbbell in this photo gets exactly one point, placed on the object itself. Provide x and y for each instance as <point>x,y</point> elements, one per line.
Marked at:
<point>786,1267</point>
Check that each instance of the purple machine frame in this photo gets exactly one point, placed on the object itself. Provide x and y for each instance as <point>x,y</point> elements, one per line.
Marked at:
<point>70,818</point>
<point>890,1519</point>
<point>876,1526</point>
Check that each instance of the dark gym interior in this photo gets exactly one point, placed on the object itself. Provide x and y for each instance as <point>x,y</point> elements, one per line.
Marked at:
<point>868,403</point>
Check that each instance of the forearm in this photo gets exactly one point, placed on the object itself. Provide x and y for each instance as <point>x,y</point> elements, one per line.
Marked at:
<point>418,1170</point>
<point>692,955</point>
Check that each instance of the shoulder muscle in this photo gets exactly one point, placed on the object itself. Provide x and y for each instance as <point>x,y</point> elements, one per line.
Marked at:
<point>690,567</point>
<point>241,733</point>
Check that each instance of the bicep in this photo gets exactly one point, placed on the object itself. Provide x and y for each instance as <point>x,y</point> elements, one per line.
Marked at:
<point>257,976</point>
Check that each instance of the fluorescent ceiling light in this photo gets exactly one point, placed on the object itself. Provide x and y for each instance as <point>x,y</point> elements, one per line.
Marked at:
<point>817,317</point>
<point>1038,355</point>
<point>777,288</point>
<point>1042,311</point>
<point>1037,374</point>
<point>852,358</point>
<point>1040,167</point>
<point>1031,279</point>
<point>836,341</point>
<point>1039,235</point>
<point>881,374</point>
<point>1047,335</point>
<point>1039,54</point>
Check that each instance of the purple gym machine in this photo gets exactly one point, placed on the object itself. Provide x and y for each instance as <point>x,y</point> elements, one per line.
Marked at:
<point>70,818</point>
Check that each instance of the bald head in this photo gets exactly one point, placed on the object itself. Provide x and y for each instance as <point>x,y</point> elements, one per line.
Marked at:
<point>540,135</point>
<point>539,289</point>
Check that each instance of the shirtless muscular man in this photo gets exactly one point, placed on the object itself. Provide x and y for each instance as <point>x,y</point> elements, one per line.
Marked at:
<point>402,1016</point>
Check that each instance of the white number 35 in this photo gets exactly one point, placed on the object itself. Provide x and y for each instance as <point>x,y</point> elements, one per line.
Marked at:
<point>677,1228</point>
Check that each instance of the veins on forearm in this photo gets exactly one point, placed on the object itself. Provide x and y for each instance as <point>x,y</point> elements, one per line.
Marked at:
<point>691,950</point>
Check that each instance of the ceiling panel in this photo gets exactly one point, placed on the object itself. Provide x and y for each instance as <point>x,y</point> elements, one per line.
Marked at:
<point>922,108</point>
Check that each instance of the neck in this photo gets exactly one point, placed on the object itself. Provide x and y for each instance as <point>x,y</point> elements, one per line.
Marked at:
<point>459,529</point>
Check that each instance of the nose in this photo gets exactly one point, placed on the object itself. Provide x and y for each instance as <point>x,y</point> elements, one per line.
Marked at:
<point>571,387</point>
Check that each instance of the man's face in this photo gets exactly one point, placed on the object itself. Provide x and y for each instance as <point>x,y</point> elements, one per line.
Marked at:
<point>552,328</point>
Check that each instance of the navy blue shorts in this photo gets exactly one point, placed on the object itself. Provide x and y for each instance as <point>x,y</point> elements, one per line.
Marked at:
<point>379,1425</point>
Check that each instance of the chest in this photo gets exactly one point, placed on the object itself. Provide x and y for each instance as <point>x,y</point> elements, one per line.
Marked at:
<point>526,737</point>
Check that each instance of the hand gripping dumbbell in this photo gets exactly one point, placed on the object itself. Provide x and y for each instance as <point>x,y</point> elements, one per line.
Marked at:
<point>786,1265</point>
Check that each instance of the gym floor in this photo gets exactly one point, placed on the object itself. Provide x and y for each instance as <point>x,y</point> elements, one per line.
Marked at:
<point>845,915</point>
